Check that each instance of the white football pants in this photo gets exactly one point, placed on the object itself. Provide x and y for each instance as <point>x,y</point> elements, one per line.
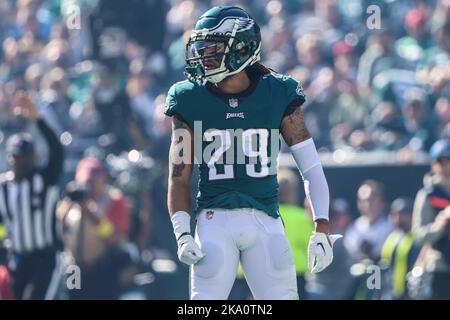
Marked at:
<point>255,239</point>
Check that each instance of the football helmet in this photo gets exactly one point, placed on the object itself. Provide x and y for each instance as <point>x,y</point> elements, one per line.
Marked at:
<point>225,41</point>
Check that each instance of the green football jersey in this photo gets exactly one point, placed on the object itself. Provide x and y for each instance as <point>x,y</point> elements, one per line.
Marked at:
<point>236,139</point>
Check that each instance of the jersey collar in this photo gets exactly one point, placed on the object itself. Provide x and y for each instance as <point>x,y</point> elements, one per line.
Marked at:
<point>254,81</point>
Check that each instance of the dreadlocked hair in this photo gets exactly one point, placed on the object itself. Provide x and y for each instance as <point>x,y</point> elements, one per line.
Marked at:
<point>260,69</point>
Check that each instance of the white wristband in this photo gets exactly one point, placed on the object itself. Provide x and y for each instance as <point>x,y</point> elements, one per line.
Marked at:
<point>181,222</point>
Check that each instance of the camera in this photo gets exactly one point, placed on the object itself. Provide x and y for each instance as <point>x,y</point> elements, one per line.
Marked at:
<point>77,192</point>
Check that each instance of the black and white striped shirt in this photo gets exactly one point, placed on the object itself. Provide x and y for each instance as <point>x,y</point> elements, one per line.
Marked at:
<point>27,206</point>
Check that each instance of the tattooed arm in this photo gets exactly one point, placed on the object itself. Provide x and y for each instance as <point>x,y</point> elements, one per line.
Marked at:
<point>293,128</point>
<point>179,192</point>
<point>297,136</point>
<point>180,167</point>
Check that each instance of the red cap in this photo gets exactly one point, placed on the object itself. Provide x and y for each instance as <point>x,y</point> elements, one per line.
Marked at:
<point>342,48</point>
<point>416,17</point>
<point>87,169</point>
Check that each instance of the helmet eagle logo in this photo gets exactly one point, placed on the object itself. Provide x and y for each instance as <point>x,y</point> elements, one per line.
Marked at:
<point>226,25</point>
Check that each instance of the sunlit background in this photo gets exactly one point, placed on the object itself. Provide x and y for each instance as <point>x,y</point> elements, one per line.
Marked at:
<point>377,84</point>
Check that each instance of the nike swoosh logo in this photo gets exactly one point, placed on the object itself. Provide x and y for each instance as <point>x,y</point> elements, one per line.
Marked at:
<point>320,244</point>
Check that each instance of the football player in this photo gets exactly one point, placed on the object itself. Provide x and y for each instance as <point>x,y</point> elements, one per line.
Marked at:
<point>228,92</point>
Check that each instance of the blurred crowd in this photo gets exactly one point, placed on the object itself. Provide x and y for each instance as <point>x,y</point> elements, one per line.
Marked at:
<point>397,249</point>
<point>366,89</point>
<point>98,72</point>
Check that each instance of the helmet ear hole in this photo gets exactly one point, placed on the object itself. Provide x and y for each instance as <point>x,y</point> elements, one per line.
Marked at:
<point>253,46</point>
<point>232,60</point>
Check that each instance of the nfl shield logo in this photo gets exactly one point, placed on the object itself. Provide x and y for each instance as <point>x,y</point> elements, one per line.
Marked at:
<point>233,102</point>
<point>209,214</point>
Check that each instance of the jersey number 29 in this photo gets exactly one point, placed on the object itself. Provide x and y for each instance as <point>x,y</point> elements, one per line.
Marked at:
<point>249,142</point>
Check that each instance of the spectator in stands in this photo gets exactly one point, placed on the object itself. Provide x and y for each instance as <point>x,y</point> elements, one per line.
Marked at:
<point>366,235</point>
<point>412,46</point>
<point>438,54</point>
<point>96,222</point>
<point>387,127</point>
<point>442,110</point>
<point>399,252</point>
<point>431,219</point>
<point>419,125</point>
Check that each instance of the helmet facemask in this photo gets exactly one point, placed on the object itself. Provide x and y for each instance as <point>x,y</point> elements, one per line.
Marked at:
<point>205,56</point>
<point>214,56</point>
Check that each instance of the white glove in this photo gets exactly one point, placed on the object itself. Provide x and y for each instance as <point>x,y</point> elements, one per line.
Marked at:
<point>188,250</point>
<point>320,251</point>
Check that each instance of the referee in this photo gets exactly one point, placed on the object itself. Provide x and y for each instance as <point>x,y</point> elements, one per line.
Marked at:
<point>28,197</point>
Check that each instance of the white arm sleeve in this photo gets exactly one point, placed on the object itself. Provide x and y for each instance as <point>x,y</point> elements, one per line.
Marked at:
<point>316,186</point>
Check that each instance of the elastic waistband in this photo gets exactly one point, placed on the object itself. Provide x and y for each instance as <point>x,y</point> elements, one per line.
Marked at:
<point>220,211</point>
<point>231,211</point>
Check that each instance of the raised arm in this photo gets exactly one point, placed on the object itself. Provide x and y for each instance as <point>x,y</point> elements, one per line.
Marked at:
<point>53,169</point>
<point>28,109</point>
